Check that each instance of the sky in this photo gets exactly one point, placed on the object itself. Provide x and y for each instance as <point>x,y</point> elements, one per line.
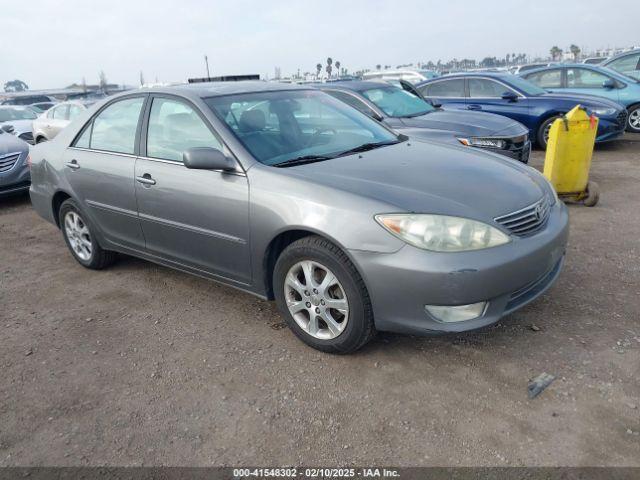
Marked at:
<point>51,44</point>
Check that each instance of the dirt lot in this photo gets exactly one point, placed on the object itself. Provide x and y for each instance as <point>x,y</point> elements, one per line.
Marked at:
<point>139,364</point>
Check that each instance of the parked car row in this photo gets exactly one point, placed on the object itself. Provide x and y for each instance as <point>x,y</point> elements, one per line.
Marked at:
<point>293,195</point>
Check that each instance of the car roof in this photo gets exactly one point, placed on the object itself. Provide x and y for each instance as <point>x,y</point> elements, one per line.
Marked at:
<point>620,55</point>
<point>215,89</point>
<point>354,85</point>
<point>585,66</point>
<point>505,76</point>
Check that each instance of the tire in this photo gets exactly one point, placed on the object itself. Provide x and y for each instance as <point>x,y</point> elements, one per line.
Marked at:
<point>79,236</point>
<point>40,140</point>
<point>593,195</point>
<point>633,119</point>
<point>541,136</point>
<point>345,289</point>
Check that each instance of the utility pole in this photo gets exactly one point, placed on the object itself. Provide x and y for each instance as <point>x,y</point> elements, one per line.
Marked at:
<point>206,62</point>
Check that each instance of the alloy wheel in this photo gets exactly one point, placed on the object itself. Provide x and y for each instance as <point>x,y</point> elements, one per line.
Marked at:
<point>634,119</point>
<point>316,300</point>
<point>78,235</point>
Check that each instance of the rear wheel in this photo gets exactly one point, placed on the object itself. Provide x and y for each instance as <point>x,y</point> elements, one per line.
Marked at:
<point>80,239</point>
<point>633,120</point>
<point>544,130</point>
<point>322,297</point>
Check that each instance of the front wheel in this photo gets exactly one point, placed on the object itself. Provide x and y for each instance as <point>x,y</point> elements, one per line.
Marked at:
<point>633,120</point>
<point>322,297</point>
<point>544,130</point>
<point>80,239</point>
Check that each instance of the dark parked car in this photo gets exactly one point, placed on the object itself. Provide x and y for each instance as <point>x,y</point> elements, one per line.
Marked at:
<point>14,168</point>
<point>592,80</point>
<point>514,97</point>
<point>289,194</point>
<point>410,114</point>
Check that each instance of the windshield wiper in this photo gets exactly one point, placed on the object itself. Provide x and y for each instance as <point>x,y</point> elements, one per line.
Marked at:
<point>302,160</point>
<point>419,114</point>
<point>365,147</point>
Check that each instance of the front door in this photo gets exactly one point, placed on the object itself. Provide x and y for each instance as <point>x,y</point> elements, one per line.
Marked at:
<point>194,218</point>
<point>100,165</point>
<point>590,82</point>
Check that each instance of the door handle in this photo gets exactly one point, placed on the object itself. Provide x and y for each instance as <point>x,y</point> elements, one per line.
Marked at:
<point>474,107</point>
<point>73,165</point>
<point>146,179</point>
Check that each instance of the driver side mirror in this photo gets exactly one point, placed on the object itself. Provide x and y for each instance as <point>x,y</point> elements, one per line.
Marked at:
<point>207,158</point>
<point>435,104</point>
<point>609,84</point>
<point>510,96</point>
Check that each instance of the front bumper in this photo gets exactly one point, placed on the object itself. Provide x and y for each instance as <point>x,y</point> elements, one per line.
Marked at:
<point>15,180</point>
<point>611,128</point>
<point>508,277</point>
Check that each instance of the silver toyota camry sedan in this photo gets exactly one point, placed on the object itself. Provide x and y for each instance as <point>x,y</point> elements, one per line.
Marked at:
<point>292,195</point>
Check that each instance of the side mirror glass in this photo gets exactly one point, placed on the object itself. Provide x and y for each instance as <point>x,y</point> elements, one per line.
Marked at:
<point>207,158</point>
<point>609,84</point>
<point>510,96</point>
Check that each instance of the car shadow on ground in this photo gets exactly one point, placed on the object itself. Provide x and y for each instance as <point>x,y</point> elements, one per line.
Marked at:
<point>17,200</point>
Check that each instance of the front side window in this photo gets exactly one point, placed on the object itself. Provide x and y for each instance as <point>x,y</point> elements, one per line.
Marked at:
<point>583,78</point>
<point>484,88</point>
<point>396,102</point>
<point>443,89</point>
<point>629,65</point>
<point>353,101</point>
<point>114,129</point>
<point>60,113</point>
<point>547,79</point>
<point>281,126</point>
<point>175,127</point>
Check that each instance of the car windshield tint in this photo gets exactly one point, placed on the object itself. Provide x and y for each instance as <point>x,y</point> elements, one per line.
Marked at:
<point>8,114</point>
<point>397,102</point>
<point>281,126</point>
<point>525,86</point>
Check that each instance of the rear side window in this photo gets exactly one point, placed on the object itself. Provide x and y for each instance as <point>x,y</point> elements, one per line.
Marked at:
<point>546,79</point>
<point>447,88</point>
<point>114,129</point>
<point>175,127</point>
<point>59,113</point>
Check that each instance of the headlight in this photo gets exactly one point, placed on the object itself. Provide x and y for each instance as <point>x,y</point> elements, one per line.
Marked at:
<point>602,111</point>
<point>483,142</point>
<point>441,233</point>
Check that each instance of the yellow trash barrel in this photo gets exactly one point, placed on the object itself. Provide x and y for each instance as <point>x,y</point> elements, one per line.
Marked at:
<point>568,158</point>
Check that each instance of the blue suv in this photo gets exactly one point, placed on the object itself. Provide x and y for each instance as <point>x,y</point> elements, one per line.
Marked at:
<point>592,80</point>
<point>516,98</point>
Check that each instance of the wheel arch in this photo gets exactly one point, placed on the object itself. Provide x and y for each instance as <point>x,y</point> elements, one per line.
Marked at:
<point>58,198</point>
<point>281,241</point>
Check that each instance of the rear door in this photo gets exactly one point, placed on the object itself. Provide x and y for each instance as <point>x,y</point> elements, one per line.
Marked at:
<point>449,93</point>
<point>194,218</point>
<point>550,80</point>
<point>485,95</point>
<point>99,166</point>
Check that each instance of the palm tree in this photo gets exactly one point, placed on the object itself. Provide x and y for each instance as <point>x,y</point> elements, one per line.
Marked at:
<point>338,67</point>
<point>378,67</point>
<point>329,67</point>
<point>555,52</point>
<point>318,69</point>
<point>575,51</point>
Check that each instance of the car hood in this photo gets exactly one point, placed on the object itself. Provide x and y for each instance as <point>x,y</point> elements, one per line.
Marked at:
<point>11,144</point>
<point>20,126</point>
<point>473,124</point>
<point>427,177</point>
<point>582,99</point>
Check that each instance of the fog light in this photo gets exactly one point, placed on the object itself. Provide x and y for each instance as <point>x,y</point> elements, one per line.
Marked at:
<point>458,313</point>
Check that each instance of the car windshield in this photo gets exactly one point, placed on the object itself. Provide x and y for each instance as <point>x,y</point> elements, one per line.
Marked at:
<point>396,102</point>
<point>525,86</point>
<point>297,126</point>
<point>8,114</point>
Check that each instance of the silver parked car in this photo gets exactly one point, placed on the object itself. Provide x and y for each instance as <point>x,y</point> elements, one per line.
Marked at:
<point>289,194</point>
<point>52,121</point>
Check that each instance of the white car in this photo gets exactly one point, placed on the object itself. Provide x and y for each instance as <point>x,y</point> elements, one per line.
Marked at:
<point>51,122</point>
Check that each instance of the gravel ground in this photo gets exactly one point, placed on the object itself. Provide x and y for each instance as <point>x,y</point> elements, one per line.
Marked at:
<point>142,365</point>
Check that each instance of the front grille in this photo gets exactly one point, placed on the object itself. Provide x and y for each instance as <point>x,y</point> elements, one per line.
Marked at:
<point>8,161</point>
<point>622,119</point>
<point>526,221</point>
